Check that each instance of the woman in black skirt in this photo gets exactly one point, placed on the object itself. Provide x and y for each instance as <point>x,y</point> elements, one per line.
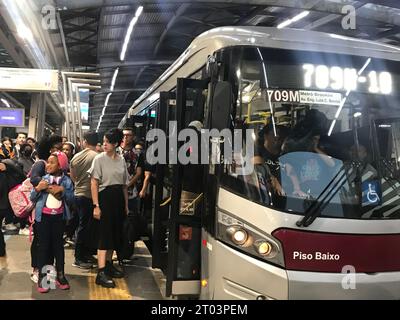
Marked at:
<point>109,179</point>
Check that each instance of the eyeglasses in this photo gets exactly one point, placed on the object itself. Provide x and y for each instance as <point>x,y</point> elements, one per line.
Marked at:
<point>128,135</point>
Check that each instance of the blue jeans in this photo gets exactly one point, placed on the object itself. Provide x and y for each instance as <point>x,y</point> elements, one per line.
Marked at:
<point>84,209</point>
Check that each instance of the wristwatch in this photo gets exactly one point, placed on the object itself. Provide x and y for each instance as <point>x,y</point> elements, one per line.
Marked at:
<point>96,205</point>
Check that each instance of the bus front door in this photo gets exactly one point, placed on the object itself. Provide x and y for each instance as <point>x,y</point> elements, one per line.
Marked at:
<point>184,241</point>
<point>163,188</point>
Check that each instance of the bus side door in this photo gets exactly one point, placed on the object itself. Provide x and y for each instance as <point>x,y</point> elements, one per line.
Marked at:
<point>184,242</point>
<point>163,188</point>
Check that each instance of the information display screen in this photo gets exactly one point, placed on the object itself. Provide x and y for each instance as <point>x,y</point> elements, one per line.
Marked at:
<point>12,117</point>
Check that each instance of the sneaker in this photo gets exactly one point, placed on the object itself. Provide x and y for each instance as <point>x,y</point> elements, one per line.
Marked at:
<point>35,275</point>
<point>61,281</point>
<point>24,232</point>
<point>41,289</point>
<point>82,264</point>
<point>90,259</point>
<point>70,241</point>
<point>10,227</point>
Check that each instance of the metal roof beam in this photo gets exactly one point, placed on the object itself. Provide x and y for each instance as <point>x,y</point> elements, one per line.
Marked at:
<point>181,10</point>
<point>388,33</point>
<point>117,63</point>
<point>12,49</point>
<point>326,6</point>
<point>100,92</point>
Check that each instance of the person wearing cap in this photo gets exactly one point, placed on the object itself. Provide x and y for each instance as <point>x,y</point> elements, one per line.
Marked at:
<point>52,196</point>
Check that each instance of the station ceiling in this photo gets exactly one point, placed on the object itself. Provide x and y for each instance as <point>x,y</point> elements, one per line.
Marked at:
<point>94,30</point>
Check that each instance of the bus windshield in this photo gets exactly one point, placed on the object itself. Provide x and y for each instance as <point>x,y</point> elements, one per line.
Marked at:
<point>326,131</point>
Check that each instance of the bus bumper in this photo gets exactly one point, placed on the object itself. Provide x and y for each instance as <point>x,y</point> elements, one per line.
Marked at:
<point>235,275</point>
<point>321,285</point>
<point>239,276</point>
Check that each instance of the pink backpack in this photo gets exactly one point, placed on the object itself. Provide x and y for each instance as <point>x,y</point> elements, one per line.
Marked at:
<point>19,198</point>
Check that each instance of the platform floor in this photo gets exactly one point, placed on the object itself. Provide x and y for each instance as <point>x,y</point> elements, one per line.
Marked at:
<point>140,283</point>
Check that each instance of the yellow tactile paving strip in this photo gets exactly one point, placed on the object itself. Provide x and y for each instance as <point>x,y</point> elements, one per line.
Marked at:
<point>120,292</point>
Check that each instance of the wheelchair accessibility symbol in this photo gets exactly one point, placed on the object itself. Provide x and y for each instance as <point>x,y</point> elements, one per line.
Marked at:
<point>371,193</point>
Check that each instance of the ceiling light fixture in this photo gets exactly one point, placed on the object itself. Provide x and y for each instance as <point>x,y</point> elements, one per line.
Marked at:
<point>129,32</point>
<point>114,78</point>
<point>294,19</point>
<point>6,103</point>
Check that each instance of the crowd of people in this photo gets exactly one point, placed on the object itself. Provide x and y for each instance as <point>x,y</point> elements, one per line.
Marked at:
<point>81,198</point>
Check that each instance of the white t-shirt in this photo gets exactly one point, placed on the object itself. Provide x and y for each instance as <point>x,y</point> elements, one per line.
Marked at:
<point>109,171</point>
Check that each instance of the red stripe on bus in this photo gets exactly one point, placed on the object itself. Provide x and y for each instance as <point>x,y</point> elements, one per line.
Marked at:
<point>331,252</point>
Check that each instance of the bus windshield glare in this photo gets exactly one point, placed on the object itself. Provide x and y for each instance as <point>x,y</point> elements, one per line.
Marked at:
<point>326,131</point>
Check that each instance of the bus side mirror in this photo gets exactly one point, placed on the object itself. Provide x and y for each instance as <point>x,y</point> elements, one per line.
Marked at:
<point>221,105</point>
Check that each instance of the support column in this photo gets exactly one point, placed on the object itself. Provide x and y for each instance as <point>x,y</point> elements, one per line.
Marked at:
<point>37,116</point>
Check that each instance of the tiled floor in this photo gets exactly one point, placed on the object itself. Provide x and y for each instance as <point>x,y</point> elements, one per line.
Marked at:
<point>140,283</point>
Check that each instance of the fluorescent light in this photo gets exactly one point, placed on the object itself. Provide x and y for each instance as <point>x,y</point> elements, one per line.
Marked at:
<point>108,98</point>
<point>284,24</point>
<point>139,11</point>
<point>300,16</point>
<point>294,19</point>
<point>114,78</point>
<point>129,32</point>
<point>357,114</point>
<point>6,103</point>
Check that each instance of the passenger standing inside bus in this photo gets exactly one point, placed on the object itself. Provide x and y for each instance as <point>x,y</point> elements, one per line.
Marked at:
<point>268,151</point>
<point>308,166</point>
<point>109,180</point>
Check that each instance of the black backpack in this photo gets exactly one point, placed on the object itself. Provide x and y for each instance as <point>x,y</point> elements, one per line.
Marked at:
<point>127,247</point>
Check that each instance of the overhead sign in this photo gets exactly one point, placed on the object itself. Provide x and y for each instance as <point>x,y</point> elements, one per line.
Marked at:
<point>305,96</point>
<point>30,80</point>
<point>12,117</point>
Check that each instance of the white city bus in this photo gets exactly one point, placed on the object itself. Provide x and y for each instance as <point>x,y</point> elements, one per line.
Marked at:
<point>321,220</point>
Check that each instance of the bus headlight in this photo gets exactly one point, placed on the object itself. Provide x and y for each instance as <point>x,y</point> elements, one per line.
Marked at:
<point>238,235</point>
<point>264,248</point>
<point>249,239</point>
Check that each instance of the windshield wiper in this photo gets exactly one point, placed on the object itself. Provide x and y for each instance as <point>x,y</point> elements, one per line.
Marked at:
<point>323,199</point>
<point>389,168</point>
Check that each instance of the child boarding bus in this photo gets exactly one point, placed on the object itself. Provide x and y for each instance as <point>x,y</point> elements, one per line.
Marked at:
<point>318,216</point>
